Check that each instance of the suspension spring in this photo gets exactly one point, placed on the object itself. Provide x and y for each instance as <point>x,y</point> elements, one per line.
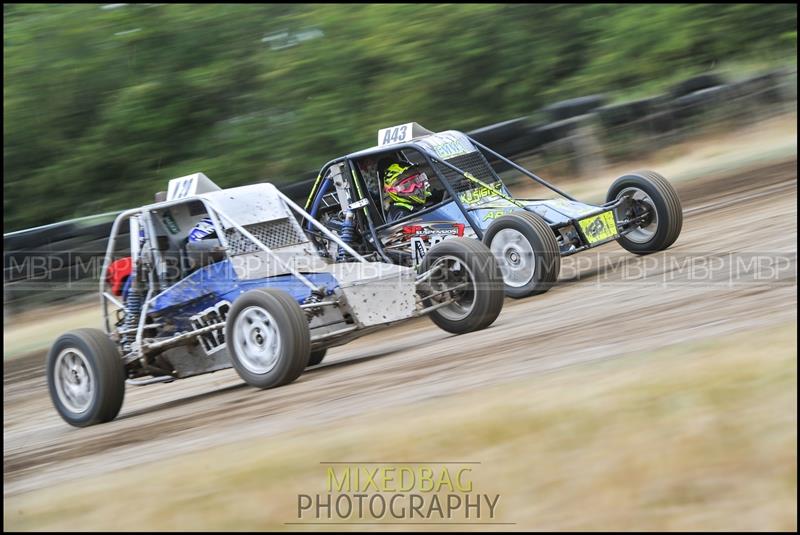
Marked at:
<point>133,307</point>
<point>347,234</point>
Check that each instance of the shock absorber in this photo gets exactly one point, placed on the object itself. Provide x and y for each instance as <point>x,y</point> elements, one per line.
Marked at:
<point>347,233</point>
<point>133,307</point>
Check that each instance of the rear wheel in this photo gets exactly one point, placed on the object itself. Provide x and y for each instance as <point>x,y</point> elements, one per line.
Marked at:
<point>647,193</point>
<point>467,273</point>
<point>527,251</point>
<point>268,337</point>
<point>85,377</point>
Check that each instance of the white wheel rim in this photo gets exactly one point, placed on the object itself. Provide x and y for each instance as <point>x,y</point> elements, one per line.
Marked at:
<point>74,380</point>
<point>641,234</point>
<point>458,273</point>
<point>256,340</point>
<point>515,256</point>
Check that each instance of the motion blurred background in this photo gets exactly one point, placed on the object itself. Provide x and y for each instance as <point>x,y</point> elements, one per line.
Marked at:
<point>104,103</point>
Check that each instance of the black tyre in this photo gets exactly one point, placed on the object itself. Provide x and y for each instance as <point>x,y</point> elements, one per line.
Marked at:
<point>495,135</point>
<point>268,338</point>
<point>648,191</point>
<point>551,132</point>
<point>469,264</point>
<point>528,141</point>
<point>85,377</point>
<point>526,251</point>
<point>696,83</point>
<point>627,112</point>
<point>316,356</point>
<point>575,107</point>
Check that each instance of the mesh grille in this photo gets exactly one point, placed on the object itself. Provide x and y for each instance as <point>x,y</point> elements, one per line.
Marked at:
<point>273,234</point>
<point>473,163</point>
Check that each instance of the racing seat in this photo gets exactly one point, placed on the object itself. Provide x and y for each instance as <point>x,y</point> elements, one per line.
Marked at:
<point>377,202</point>
<point>171,266</point>
<point>202,253</point>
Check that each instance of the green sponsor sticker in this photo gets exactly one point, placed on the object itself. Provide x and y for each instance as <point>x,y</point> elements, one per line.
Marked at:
<point>599,227</point>
<point>170,223</point>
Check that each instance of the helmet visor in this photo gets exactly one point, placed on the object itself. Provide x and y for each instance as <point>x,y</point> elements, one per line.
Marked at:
<point>411,184</point>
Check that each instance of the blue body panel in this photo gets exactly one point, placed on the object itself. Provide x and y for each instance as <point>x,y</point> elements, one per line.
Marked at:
<point>554,211</point>
<point>218,282</point>
<point>447,212</point>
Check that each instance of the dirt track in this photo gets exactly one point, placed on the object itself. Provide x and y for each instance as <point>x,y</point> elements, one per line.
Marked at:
<point>608,302</point>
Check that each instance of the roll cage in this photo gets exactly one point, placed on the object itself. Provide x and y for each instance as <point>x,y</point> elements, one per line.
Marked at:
<point>150,254</point>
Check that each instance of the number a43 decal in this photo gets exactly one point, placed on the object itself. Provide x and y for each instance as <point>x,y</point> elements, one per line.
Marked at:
<point>395,134</point>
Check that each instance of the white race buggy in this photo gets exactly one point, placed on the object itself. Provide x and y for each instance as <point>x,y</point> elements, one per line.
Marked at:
<point>254,295</point>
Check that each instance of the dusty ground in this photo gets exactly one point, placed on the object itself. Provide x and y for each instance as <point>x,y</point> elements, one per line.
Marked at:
<point>692,436</point>
<point>608,303</point>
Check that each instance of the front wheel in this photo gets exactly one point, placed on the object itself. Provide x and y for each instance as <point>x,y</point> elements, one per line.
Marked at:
<point>85,377</point>
<point>465,272</point>
<point>268,337</point>
<point>527,251</point>
<point>648,196</point>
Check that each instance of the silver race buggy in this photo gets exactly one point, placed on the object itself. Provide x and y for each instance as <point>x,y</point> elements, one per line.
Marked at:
<point>254,294</point>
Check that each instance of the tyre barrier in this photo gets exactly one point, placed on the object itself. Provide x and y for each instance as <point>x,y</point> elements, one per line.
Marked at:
<point>628,112</point>
<point>558,130</point>
<point>526,141</point>
<point>700,101</point>
<point>499,134</point>
<point>766,88</point>
<point>695,83</point>
<point>566,109</point>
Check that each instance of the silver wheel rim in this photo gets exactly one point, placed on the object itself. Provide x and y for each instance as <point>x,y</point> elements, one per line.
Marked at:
<point>464,300</point>
<point>74,380</point>
<point>256,340</point>
<point>515,256</point>
<point>641,234</point>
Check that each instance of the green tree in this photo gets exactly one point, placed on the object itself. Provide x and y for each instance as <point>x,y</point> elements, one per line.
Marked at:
<point>102,106</point>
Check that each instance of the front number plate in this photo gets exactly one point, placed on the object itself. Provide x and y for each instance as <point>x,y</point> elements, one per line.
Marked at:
<point>599,227</point>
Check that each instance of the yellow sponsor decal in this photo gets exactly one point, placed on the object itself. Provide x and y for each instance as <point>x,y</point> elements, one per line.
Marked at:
<point>475,195</point>
<point>599,228</point>
<point>494,214</point>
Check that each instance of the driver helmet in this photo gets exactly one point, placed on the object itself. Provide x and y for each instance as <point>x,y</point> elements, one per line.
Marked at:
<point>406,183</point>
<point>203,228</point>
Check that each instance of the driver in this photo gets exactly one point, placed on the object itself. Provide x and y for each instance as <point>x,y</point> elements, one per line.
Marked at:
<point>407,187</point>
<point>202,245</point>
<point>203,229</point>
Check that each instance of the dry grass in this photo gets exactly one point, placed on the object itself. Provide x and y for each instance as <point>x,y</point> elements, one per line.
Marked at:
<point>694,436</point>
<point>36,330</point>
<point>755,145</point>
